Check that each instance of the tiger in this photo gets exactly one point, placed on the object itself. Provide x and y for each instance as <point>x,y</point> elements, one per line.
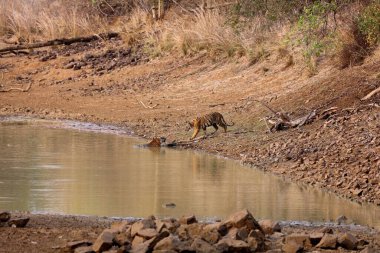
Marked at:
<point>212,119</point>
<point>156,142</point>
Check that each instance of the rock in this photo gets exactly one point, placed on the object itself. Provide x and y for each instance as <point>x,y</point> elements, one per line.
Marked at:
<point>76,244</point>
<point>169,243</point>
<point>19,223</point>
<point>142,224</point>
<point>242,234</point>
<point>230,245</point>
<point>299,239</point>
<point>253,244</point>
<point>137,240</point>
<point>328,241</point>
<point>194,230</point>
<point>147,233</point>
<point>368,249</point>
<point>348,241</point>
<point>187,219</point>
<point>292,247</point>
<point>269,226</point>
<point>210,234</point>
<point>315,237</point>
<point>104,241</point>
<point>121,226</point>
<point>201,246</point>
<point>242,219</point>
<point>341,220</point>
<point>84,249</point>
<point>148,245</point>
<point>5,216</point>
<point>123,239</point>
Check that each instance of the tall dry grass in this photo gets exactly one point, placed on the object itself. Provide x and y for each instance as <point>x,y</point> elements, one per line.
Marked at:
<point>33,20</point>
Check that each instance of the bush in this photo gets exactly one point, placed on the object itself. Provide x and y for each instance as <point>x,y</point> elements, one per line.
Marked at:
<point>369,22</point>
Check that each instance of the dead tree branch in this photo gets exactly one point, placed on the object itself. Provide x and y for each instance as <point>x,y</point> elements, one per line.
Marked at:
<point>63,41</point>
<point>18,89</point>
<point>369,95</point>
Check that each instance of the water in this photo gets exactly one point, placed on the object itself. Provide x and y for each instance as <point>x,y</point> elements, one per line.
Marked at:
<point>44,168</point>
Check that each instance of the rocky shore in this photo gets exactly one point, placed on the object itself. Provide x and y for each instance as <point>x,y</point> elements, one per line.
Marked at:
<point>240,232</point>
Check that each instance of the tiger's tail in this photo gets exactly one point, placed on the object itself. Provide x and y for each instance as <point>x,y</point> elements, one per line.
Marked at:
<point>224,122</point>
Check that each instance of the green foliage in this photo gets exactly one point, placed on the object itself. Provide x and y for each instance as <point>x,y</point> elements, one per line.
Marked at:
<point>316,27</point>
<point>369,22</point>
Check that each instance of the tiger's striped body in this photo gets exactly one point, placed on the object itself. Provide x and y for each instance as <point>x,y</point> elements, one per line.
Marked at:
<point>214,119</point>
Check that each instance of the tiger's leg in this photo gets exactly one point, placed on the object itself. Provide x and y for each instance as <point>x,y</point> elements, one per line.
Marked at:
<point>205,132</point>
<point>224,127</point>
<point>216,127</point>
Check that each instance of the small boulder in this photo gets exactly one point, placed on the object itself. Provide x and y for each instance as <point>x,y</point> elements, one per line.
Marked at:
<point>84,249</point>
<point>147,233</point>
<point>77,244</point>
<point>5,216</point>
<point>328,241</point>
<point>188,219</point>
<point>169,243</point>
<point>210,234</point>
<point>242,219</point>
<point>292,247</point>
<point>18,223</point>
<point>201,246</point>
<point>230,245</point>
<point>269,226</point>
<point>315,237</point>
<point>137,240</point>
<point>104,241</point>
<point>348,241</point>
<point>299,239</point>
<point>142,224</point>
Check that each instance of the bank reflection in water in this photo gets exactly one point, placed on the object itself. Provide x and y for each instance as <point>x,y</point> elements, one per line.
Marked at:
<point>76,172</point>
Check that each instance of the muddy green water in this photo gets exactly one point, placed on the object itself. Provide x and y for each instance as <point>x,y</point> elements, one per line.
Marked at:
<point>44,168</point>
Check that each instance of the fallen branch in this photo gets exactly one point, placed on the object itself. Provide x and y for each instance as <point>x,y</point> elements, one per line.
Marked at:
<point>148,107</point>
<point>63,41</point>
<point>369,95</point>
<point>19,89</point>
<point>215,105</point>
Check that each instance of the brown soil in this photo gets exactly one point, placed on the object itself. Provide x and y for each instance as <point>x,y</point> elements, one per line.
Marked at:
<point>106,82</point>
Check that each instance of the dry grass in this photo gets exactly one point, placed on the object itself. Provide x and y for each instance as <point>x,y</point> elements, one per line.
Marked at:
<point>31,20</point>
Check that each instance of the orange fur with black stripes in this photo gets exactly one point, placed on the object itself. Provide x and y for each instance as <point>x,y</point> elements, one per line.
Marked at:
<point>214,119</point>
<point>156,142</point>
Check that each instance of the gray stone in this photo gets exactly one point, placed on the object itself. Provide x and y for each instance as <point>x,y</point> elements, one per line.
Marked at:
<point>104,241</point>
<point>328,241</point>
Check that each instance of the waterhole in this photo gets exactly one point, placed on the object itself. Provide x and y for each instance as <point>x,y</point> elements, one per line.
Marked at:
<point>59,168</point>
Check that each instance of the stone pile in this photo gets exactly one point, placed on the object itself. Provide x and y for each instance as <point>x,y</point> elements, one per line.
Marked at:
<point>239,233</point>
<point>7,221</point>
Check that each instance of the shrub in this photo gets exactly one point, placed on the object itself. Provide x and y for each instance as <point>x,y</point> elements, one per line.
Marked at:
<point>369,22</point>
